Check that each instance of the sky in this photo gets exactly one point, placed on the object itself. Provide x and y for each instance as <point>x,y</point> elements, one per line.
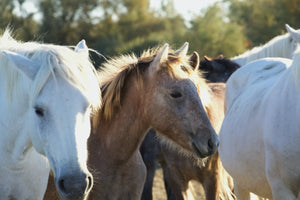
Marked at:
<point>187,8</point>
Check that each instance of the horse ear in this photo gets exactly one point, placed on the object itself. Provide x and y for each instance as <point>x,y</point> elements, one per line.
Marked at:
<point>25,65</point>
<point>207,59</point>
<point>194,61</point>
<point>161,57</point>
<point>82,48</point>
<point>183,50</point>
<point>294,34</point>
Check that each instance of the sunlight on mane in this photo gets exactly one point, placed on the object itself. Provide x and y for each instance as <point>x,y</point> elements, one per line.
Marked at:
<point>53,60</point>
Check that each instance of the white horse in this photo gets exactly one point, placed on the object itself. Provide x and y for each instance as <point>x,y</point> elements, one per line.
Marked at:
<point>280,46</point>
<point>47,93</point>
<point>260,134</point>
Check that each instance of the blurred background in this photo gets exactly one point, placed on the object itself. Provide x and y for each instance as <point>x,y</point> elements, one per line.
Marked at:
<point>113,27</point>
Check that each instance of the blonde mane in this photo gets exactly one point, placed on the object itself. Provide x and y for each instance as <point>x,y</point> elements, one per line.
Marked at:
<point>115,72</point>
<point>52,60</point>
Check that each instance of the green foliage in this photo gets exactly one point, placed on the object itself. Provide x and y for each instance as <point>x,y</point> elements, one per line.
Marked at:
<point>264,19</point>
<point>211,35</point>
<point>24,25</point>
<point>124,26</point>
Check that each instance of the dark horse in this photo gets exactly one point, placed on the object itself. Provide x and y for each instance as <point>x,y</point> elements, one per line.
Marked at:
<point>213,70</point>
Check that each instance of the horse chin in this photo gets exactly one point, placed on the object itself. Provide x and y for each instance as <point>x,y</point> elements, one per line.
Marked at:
<point>72,196</point>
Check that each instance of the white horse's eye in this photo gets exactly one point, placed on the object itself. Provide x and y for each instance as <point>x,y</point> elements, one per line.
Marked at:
<point>39,111</point>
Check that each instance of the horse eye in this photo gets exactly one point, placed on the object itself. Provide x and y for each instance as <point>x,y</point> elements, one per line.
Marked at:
<point>39,111</point>
<point>176,94</point>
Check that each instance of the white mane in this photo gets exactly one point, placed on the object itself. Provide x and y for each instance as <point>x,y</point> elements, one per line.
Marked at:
<point>279,46</point>
<point>52,60</point>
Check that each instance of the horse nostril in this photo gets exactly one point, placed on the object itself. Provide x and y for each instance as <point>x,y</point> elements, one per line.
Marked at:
<point>212,145</point>
<point>61,185</point>
<point>89,183</point>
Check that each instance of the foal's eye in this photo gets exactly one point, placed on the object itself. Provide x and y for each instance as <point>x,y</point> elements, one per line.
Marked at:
<point>39,111</point>
<point>176,94</point>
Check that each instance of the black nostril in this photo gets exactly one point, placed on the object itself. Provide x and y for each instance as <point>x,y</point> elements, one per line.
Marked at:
<point>61,185</point>
<point>89,183</point>
<point>211,145</point>
<point>217,144</point>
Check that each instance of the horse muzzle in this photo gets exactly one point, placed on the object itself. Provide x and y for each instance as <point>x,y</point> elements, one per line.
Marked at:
<point>206,148</point>
<point>74,186</point>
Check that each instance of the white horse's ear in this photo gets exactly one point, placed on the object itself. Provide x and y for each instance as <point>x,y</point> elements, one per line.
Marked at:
<point>81,47</point>
<point>25,65</point>
<point>294,34</point>
<point>161,57</point>
<point>183,50</point>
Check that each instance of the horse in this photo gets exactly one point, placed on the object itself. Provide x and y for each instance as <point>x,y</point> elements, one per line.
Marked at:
<point>160,89</point>
<point>180,170</point>
<point>217,69</point>
<point>279,46</point>
<point>47,93</point>
<point>260,136</point>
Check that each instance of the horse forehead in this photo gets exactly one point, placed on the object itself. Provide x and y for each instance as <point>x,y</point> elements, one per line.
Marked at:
<point>61,90</point>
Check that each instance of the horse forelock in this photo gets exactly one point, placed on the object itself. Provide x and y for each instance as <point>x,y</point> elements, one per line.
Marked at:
<point>114,73</point>
<point>53,60</point>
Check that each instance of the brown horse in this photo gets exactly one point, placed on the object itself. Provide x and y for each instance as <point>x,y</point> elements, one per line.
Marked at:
<point>179,170</point>
<point>159,90</point>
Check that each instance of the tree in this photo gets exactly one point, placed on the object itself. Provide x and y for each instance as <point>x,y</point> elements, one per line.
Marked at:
<point>211,35</point>
<point>24,26</point>
<point>264,19</point>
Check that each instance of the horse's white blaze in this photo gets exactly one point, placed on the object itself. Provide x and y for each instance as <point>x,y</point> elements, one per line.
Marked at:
<point>46,96</point>
<point>260,135</point>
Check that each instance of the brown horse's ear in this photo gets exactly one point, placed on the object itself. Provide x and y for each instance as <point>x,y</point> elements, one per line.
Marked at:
<point>161,57</point>
<point>183,50</point>
<point>194,61</point>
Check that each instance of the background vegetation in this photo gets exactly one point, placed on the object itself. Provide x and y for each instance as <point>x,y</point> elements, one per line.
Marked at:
<point>123,26</point>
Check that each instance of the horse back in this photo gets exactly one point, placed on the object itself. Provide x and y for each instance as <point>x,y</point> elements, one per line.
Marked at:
<point>259,74</point>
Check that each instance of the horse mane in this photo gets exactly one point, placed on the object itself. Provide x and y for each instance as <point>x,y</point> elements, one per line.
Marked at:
<point>52,60</point>
<point>115,72</point>
<point>276,46</point>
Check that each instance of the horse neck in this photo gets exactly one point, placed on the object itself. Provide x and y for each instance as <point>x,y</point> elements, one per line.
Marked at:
<point>121,136</point>
<point>275,48</point>
<point>215,109</point>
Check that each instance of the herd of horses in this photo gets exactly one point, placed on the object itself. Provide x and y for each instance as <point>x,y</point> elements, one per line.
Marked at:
<point>70,132</point>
